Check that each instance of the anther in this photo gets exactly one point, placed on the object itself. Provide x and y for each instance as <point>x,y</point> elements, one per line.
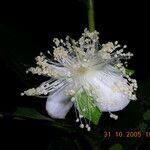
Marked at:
<point>77,120</point>
<point>81,125</point>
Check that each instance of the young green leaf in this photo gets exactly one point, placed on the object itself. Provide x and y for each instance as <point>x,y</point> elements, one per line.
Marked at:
<point>129,71</point>
<point>86,107</point>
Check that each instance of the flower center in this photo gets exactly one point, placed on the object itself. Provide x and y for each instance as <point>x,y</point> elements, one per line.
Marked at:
<point>80,71</point>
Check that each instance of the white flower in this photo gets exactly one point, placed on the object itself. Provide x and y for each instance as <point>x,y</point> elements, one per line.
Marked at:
<point>84,65</point>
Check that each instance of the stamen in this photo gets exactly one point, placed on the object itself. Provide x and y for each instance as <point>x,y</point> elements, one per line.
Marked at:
<point>113,116</point>
<point>81,125</point>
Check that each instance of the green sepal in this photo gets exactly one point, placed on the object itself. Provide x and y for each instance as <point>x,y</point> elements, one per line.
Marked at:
<point>86,107</point>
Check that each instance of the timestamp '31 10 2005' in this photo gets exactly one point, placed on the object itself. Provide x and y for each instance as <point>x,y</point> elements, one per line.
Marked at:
<point>127,134</point>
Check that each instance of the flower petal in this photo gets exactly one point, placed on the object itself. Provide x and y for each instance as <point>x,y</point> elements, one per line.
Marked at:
<point>107,88</point>
<point>58,104</point>
<point>117,102</point>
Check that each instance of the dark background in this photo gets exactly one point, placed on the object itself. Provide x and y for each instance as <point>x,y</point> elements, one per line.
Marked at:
<point>28,28</point>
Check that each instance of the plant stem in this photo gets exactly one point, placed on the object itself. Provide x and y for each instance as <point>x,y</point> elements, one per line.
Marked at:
<point>90,10</point>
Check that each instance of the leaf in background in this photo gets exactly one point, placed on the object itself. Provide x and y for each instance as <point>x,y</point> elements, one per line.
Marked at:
<point>142,126</point>
<point>146,115</point>
<point>116,146</point>
<point>86,107</point>
<point>129,71</point>
<point>30,113</point>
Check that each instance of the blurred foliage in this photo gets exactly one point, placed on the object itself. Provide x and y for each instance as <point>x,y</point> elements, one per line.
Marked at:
<point>116,147</point>
<point>146,115</point>
<point>30,113</point>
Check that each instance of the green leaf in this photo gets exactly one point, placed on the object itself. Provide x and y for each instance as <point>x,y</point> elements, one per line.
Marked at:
<point>86,107</point>
<point>30,113</point>
<point>129,71</point>
<point>23,113</point>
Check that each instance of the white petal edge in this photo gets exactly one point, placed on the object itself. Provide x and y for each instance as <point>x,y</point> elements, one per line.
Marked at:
<point>58,104</point>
